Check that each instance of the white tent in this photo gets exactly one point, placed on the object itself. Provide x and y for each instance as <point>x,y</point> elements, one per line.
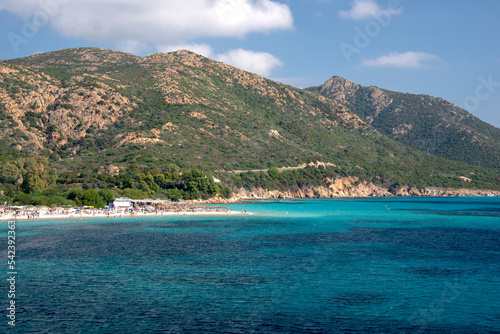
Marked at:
<point>122,202</point>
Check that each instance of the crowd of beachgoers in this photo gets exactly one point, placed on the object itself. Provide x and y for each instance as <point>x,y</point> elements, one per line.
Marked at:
<point>31,212</point>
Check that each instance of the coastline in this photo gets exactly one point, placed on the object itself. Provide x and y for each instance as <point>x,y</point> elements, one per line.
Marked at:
<point>346,188</point>
<point>11,217</point>
<point>341,188</point>
<point>252,196</point>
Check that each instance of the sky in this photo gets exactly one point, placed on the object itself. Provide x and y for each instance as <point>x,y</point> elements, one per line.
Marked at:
<point>445,48</point>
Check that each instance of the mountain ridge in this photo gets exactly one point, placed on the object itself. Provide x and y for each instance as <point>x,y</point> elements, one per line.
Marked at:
<point>430,124</point>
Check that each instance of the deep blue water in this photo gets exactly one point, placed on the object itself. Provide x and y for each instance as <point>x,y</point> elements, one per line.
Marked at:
<point>319,266</point>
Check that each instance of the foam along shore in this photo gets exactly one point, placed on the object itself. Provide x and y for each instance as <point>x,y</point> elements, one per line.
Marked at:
<point>28,213</point>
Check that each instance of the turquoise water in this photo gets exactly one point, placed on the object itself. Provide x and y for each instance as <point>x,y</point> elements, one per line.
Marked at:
<point>318,266</point>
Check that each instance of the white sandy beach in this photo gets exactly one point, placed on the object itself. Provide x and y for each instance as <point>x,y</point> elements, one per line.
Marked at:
<point>100,214</point>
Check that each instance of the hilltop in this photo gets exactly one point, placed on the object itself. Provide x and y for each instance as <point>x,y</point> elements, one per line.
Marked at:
<point>423,122</point>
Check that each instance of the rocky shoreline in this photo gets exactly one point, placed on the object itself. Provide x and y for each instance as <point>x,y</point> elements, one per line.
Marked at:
<point>349,188</point>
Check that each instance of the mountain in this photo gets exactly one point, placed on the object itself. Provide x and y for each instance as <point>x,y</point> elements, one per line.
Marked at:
<point>93,111</point>
<point>423,122</point>
<point>178,106</point>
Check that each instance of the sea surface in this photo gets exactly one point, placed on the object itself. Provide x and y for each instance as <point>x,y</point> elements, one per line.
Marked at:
<point>308,266</point>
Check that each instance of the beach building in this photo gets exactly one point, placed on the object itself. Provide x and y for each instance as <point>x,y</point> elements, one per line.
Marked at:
<point>122,203</point>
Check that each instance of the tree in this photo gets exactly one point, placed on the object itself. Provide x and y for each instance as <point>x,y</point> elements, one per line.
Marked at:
<point>34,182</point>
<point>159,179</point>
<point>22,199</point>
<point>76,194</point>
<point>9,173</point>
<point>91,198</point>
<point>106,195</point>
<point>51,177</point>
<point>172,168</point>
<point>133,193</point>
<point>273,172</point>
<point>144,186</point>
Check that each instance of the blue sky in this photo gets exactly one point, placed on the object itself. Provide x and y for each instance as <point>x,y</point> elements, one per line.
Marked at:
<point>442,48</point>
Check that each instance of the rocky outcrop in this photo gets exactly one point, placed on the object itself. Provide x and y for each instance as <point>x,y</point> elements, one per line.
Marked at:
<point>111,170</point>
<point>342,90</point>
<point>443,192</point>
<point>378,98</point>
<point>338,188</point>
<point>339,89</point>
<point>45,109</point>
<point>349,188</point>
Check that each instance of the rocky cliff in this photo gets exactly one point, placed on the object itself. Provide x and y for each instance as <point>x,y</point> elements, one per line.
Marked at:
<point>351,188</point>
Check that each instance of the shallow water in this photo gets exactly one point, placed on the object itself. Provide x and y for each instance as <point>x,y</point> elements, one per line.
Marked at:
<point>318,266</point>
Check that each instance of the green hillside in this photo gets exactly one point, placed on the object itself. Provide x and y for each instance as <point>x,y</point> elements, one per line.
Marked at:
<point>426,123</point>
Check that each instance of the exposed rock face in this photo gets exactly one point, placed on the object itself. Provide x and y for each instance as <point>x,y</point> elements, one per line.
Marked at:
<point>334,188</point>
<point>111,170</point>
<point>46,109</point>
<point>442,192</point>
<point>350,188</point>
<point>339,89</point>
<point>342,90</point>
<point>379,99</point>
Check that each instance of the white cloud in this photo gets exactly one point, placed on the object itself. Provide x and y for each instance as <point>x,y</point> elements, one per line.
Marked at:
<point>156,22</point>
<point>408,59</point>
<point>261,63</point>
<point>366,9</point>
<point>257,62</point>
<point>139,25</point>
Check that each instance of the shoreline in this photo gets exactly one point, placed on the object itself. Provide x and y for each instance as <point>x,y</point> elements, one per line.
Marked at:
<point>244,200</point>
<point>243,197</point>
<point>240,200</point>
<point>344,189</point>
<point>118,215</point>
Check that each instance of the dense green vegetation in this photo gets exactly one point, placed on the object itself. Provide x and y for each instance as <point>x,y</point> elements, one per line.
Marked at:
<point>428,176</point>
<point>29,181</point>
